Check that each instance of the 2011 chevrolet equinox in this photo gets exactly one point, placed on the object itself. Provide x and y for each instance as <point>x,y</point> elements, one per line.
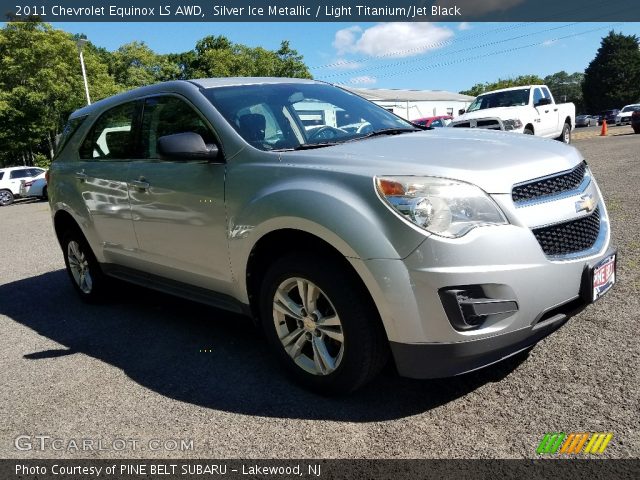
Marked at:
<point>348,232</point>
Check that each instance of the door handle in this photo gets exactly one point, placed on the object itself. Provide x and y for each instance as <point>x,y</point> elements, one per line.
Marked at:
<point>546,111</point>
<point>555,109</point>
<point>81,176</point>
<point>141,184</point>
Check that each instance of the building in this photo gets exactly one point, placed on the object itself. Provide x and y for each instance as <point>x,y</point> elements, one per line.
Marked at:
<point>414,104</point>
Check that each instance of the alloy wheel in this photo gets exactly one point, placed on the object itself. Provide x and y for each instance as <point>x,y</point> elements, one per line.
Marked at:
<point>308,326</point>
<point>79,267</point>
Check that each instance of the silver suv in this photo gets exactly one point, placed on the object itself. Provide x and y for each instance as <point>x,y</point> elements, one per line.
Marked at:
<point>347,232</point>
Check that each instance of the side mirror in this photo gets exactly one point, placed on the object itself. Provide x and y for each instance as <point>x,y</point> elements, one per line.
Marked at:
<point>462,111</point>
<point>186,146</point>
<point>542,102</point>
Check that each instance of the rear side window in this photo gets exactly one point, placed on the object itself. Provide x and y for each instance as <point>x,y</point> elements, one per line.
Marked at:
<point>19,173</point>
<point>546,93</point>
<point>111,137</point>
<point>167,116</point>
<point>69,129</point>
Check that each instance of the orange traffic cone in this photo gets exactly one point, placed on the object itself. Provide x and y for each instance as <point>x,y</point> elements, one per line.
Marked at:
<point>603,132</point>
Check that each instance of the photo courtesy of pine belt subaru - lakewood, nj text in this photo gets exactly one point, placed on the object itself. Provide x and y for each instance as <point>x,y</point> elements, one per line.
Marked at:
<point>348,233</point>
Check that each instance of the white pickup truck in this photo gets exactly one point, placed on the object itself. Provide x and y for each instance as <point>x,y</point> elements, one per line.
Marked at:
<point>529,109</point>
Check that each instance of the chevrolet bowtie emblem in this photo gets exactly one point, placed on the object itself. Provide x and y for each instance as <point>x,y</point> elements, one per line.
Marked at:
<point>586,203</point>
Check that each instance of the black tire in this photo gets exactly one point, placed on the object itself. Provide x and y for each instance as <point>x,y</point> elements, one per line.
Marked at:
<point>45,194</point>
<point>565,136</point>
<point>95,290</point>
<point>528,131</point>
<point>636,130</point>
<point>364,349</point>
<point>6,198</point>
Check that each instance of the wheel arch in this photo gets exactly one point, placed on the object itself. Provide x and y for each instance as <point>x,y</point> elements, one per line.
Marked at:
<point>277,243</point>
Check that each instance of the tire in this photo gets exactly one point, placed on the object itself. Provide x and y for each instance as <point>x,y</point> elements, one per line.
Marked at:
<point>83,267</point>
<point>565,136</point>
<point>341,345</point>
<point>6,198</point>
<point>45,194</point>
<point>527,131</point>
<point>636,130</point>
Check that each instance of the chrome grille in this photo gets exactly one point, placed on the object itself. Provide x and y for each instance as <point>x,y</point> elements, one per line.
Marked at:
<point>569,237</point>
<point>549,186</point>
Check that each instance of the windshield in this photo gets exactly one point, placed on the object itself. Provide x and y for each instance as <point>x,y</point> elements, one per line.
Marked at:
<point>285,116</point>
<point>510,98</point>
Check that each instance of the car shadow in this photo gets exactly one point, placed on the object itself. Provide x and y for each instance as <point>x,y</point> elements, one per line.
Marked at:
<point>208,357</point>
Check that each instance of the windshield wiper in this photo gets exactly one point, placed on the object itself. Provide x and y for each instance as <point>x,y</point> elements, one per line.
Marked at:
<point>388,131</point>
<point>307,146</point>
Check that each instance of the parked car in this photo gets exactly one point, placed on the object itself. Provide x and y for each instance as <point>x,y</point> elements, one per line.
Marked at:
<point>36,187</point>
<point>609,116</point>
<point>529,109</point>
<point>11,179</point>
<point>585,121</point>
<point>438,121</point>
<point>344,250</point>
<point>624,117</point>
<point>635,121</point>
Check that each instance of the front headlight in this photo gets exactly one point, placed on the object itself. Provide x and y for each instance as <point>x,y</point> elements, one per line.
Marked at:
<point>512,124</point>
<point>445,207</point>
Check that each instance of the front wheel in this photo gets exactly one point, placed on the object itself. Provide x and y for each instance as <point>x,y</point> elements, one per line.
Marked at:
<point>321,324</point>
<point>565,136</point>
<point>6,198</point>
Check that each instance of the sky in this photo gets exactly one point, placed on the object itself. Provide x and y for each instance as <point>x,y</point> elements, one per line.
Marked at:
<point>417,55</point>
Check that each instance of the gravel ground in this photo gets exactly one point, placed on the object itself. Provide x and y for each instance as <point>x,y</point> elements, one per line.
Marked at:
<point>135,369</point>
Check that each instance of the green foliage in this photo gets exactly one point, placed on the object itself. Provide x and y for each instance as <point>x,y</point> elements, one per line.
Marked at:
<point>219,57</point>
<point>479,88</point>
<point>41,160</point>
<point>567,87</point>
<point>41,81</point>
<point>612,79</point>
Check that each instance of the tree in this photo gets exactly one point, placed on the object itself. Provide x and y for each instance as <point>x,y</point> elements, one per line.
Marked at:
<point>567,87</point>
<point>219,57</point>
<point>479,88</point>
<point>135,65</point>
<point>612,79</point>
<point>40,85</point>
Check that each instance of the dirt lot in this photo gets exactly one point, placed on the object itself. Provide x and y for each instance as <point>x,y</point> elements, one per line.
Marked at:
<point>135,369</point>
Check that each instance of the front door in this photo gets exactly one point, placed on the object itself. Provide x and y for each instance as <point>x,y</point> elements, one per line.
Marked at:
<point>178,205</point>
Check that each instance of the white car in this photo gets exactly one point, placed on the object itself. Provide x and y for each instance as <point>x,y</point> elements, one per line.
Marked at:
<point>11,180</point>
<point>529,109</point>
<point>624,117</point>
<point>36,187</point>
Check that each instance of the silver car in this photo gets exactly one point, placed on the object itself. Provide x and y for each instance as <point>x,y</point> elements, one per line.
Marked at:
<point>348,233</point>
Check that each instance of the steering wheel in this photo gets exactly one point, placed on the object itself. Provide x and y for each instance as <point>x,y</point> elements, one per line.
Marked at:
<point>365,128</point>
<point>326,133</point>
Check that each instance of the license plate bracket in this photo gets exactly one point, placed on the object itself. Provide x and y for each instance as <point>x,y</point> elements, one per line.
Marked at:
<point>599,277</point>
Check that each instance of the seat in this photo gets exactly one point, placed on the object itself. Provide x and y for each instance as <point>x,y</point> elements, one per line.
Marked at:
<point>252,127</point>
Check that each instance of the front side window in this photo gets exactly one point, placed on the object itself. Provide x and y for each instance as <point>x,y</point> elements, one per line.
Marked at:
<point>111,137</point>
<point>537,96</point>
<point>292,116</point>
<point>1,175</point>
<point>168,116</point>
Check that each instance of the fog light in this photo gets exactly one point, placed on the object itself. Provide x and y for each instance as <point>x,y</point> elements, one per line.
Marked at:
<point>468,307</point>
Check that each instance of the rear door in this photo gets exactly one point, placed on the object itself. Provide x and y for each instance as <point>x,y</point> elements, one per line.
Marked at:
<point>100,176</point>
<point>178,204</point>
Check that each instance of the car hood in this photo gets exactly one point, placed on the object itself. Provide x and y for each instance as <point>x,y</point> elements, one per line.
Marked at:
<point>503,113</point>
<point>492,160</point>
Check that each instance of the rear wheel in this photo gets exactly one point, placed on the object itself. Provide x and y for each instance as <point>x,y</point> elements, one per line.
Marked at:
<point>83,268</point>
<point>45,194</point>
<point>6,198</point>
<point>528,131</point>
<point>565,136</point>
<point>321,324</point>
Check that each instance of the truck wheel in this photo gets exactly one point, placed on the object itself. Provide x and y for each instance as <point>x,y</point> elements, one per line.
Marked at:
<point>528,131</point>
<point>321,324</point>
<point>83,267</point>
<point>565,136</point>
<point>6,198</point>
